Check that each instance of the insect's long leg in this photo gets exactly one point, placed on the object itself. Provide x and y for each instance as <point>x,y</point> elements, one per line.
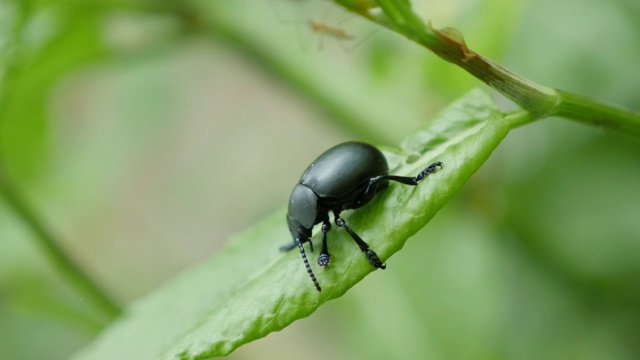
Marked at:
<point>413,180</point>
<point>374,184</point>
<point>370,254</point>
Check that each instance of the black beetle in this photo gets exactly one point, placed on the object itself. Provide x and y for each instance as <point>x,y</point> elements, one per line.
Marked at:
<point>347,176</point>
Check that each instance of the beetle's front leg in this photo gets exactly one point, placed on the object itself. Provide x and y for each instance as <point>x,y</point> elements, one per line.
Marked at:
<point>324,259</point>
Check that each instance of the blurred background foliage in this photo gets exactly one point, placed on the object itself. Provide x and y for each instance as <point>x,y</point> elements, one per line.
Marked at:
<point>144,133</point>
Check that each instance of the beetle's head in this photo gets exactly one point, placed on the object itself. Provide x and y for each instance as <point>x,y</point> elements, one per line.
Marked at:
<point>303,211</point>
<point>302,214</point>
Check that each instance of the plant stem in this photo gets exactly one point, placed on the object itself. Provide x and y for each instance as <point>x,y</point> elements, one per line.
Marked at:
<point>518,118</point>
<point>538,100</point>
<point>588,111</point>
<point>61,261</point>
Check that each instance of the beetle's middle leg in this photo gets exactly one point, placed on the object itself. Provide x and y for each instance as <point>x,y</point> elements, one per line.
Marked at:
<point>370,254</point>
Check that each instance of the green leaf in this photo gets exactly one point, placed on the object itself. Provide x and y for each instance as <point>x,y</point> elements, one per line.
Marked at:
<point>53,40</point>
<point>250,289</point>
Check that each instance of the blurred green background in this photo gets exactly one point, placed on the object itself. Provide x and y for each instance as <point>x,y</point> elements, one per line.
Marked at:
<point>144,133</point>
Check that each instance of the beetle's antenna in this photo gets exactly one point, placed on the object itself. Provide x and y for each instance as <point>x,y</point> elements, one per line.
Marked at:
<point>306,264</point>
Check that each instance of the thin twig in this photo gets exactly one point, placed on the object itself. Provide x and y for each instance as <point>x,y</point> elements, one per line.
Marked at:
<point>538,100</point>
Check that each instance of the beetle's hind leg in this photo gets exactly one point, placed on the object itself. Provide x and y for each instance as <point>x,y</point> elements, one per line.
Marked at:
<point>377,183</point>
<point>370,254</point>
<point>413,180</point>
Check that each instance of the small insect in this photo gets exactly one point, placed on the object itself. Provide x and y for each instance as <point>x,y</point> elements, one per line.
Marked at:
<point>333,31</point>
<point>347,176</point>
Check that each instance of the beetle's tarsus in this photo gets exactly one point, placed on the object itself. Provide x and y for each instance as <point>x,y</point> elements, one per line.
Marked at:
<point>375,260</point>
<point>324,260</point>
<point>428,170</point>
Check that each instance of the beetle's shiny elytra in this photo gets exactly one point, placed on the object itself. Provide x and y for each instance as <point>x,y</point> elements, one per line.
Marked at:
<point>347,176</point>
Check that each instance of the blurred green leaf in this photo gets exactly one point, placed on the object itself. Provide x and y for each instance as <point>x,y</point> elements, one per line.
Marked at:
<point>48,42</point>
<point>250,289</point>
